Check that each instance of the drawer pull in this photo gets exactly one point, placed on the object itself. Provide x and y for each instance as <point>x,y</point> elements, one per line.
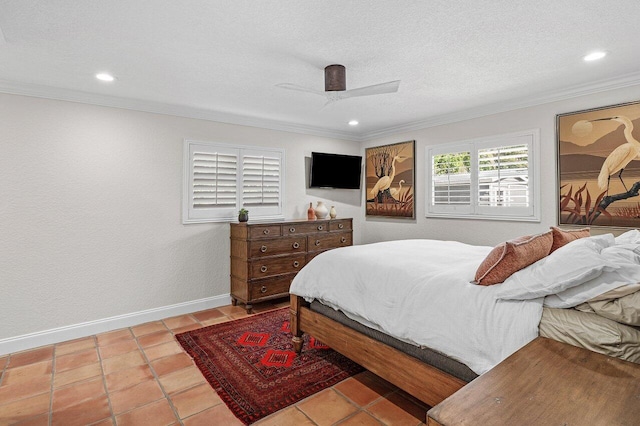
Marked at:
<point>317,242</point>
<point>263,268</point>
<point>343,240</point>
<point>296,264</point>
<point>296,245</point>
<point>263,289</point>
<point>320,227</point>
<point>292,229</point>
<point>265,232</point>
<point>340,225</point>
<point>263,249</point>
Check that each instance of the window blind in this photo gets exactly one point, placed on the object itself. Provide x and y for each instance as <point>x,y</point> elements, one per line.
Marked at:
<point>260,180</point>
<point>450,179</point>
<point>214,180</point>
<point>503,176</point>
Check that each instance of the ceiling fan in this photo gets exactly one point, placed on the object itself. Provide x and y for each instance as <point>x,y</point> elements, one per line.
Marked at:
<point>335,86</point>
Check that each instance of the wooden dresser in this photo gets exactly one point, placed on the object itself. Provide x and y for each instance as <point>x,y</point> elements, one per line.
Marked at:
<point>265,256</point>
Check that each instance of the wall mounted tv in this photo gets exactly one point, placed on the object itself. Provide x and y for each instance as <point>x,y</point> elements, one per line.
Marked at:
<point>335,171</point>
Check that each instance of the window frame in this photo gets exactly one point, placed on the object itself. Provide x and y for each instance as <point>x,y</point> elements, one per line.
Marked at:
<point>229,214</point>
<point>474,210</point>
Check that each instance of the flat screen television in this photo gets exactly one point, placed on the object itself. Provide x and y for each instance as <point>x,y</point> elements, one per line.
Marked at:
<point>335,171</point>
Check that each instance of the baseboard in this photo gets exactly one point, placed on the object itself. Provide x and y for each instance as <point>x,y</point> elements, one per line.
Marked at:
<point>76,331</point>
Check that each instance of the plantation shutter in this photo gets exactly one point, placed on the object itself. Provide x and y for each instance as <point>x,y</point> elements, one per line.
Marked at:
<point>261,181</point>
<point>450,189</point>
<point>490,178</point>
<point>220,179</point>
<point>504,171</point>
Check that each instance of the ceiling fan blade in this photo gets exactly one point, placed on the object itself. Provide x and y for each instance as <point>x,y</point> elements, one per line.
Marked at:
<point>291,86</point>
<point>376,89</point>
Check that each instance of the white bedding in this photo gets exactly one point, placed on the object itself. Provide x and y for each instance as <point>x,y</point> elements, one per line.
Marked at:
<point>419,291</point>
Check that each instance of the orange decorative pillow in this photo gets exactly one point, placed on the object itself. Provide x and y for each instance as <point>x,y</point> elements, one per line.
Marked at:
<point>511,256</point>
<point>562,237</point>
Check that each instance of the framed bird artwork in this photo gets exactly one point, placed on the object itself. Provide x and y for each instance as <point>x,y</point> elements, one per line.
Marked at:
<point>599,166</point>
<point>390,180</point>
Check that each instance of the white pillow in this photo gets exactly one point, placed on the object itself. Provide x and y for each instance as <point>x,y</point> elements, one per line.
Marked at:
<point>629,237</point>
<point>569,266</point>
<point>628,272</point>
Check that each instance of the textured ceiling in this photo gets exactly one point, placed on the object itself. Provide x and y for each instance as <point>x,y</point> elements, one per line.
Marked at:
<point>222,59</point>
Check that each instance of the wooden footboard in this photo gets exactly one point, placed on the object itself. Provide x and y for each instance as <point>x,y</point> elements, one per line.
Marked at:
<point>427,383</point>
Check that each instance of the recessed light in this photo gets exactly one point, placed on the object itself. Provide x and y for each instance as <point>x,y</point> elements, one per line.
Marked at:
<point>594,56</point>
<point>353,123</point>
<point>105,77</point>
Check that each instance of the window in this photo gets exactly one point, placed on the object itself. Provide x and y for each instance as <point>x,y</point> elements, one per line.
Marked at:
<point>220,179</point>
<point>490,178</point>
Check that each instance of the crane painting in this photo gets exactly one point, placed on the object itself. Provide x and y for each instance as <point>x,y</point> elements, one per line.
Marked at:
<point>390,177</point>
<point>599,166</point>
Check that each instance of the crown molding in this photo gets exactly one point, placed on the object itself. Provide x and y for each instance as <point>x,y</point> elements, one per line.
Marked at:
<point>619,82</point>
<point>47,92</point>
<point>41,91</point>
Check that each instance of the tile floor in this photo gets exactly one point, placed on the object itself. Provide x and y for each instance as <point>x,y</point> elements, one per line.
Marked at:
<point>141,376</point>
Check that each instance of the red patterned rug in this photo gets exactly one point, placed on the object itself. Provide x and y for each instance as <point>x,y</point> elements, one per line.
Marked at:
<point>251,364</point>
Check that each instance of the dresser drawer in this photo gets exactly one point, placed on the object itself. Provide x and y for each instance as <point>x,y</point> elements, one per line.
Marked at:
<point>277,246</point>
<point>340,225</point>
<point>264,231</point>
<point>270,266</point>
<point>332,240</point>
<point>271,287</point>
<point>306,228</point>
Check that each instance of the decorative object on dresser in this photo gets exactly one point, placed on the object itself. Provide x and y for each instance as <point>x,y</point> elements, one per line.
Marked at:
<point>243,215</point>
<point>266,256</point>
<point>332,212</point>
<point>311,214</point>
<point>321,210</point>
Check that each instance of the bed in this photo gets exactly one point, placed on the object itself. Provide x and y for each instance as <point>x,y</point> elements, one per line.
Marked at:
<point>413,311</point>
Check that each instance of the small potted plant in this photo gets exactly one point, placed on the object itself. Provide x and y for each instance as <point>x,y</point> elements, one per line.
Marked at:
<point>243,215</point>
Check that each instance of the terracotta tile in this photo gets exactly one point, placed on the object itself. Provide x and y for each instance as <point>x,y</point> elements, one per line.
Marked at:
<point>397,410</point>
<point>186,328</point>
<point>25,373</point>
<point>3,362</point>
<point>122,362</point>
<point>123,379</point>
<point>287,417</point>
<point>135,396</point>
<point>181,321</point>
<point>105,422</point>
<point>24,389</point>
<point>207,315</point>
<point>231,310</point>
<point>77,374</point>
<point>241,315</point>
<point>77,393</point>
<point>41,420</point>
<point>112,337</point>
<point>31,357</point>
<point>120,348</point>
<point>165,349</point>
<point>362,389</point>
<point>148,328</point>
<point>214,321</point>
<point>76,360</point>
<point>171,363</point>
<point>181,380</point>
<point>361,419</point>
<point>155,338</point>
<point>25,408</point>
<point>77,345</point>
<point>157,413</point>
<point>218,415</point>
<point>195,400</point>
<point>327,407</point>
<point>85,413</point>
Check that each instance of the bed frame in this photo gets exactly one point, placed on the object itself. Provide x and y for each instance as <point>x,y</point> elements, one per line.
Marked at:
<point>428,384</point>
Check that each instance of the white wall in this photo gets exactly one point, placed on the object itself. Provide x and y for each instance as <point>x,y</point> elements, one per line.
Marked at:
<point>90,212</point>
<point>487,232</point>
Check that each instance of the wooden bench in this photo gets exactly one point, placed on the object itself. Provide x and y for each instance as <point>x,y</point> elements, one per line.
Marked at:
<point>547,383</point>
